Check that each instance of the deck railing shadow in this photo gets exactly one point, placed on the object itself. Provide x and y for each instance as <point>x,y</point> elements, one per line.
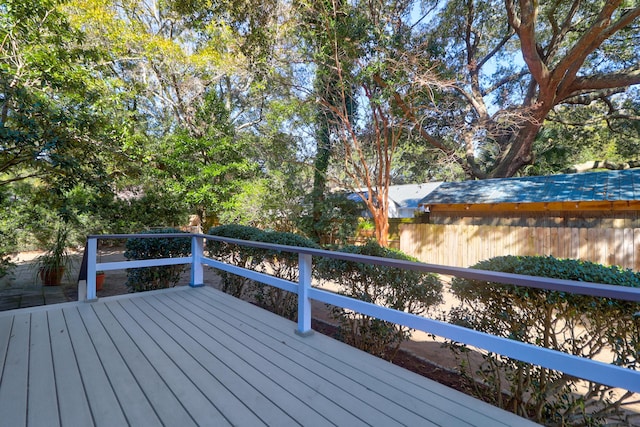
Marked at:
<point>587,369</point>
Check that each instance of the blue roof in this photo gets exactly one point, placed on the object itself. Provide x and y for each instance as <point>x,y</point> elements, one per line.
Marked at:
<point>404,196</point>
<point>581,187</point>
<point>409,195</point>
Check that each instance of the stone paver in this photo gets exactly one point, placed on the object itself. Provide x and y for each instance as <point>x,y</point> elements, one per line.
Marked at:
<point>22,288</point>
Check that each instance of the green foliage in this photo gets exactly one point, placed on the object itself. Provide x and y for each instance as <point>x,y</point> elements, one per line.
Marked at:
<point>55,261</point>
<point>574,135</point>
<point>575,324</point>
<point>5,265</point>
<point>160,277</point>
<point>8,232</point>
<point>55,118</point>
<point>335,222</point>
<point>280,264</point>
<point>242,256</point>
<point>32,212</point>
<point>284,265</point>
<point>410,291</point>
<point>207,166</point>
<point>105,213</point>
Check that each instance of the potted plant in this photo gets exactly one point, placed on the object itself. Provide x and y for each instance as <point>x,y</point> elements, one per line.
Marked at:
<point>54,262</point>
<point>99,280</point>
<point>366,228</point>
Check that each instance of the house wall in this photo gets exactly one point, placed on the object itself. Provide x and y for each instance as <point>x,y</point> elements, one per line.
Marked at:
<point>463,245</point>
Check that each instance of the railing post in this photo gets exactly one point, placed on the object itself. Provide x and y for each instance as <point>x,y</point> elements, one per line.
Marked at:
<point>304,303</point>
<point>197,247</point>
<point>92,256</point>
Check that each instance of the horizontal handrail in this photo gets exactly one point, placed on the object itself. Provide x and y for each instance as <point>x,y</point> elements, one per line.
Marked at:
<point>616,376</point>
<point>560,285</point>
<point>588,369</point>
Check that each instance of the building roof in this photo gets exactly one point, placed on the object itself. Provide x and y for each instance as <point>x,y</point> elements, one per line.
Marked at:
<point>403,196</point>
<point>409,195</point>
<point>611,186</point>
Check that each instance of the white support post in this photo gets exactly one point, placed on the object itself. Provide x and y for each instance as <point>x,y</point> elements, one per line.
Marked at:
<point>197,247</point>
<point>92,256</point>
<point>304,302</point>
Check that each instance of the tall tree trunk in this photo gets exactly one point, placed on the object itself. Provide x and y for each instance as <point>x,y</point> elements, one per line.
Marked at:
<point>519,151</point>
<point>381,220</point>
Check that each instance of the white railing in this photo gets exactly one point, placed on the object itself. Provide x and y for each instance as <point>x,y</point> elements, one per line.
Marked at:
<point>580,367</point>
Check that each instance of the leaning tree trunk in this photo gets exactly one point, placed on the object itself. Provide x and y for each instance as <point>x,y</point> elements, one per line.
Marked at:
<point>520,149</point>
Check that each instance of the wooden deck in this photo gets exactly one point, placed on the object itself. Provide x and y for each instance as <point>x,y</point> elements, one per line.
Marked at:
<point>195,356</point>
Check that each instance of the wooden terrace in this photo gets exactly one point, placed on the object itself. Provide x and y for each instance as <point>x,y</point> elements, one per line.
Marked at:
<point>196,356</point>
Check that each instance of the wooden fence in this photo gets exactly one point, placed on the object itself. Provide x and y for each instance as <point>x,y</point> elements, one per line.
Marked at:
<point>465,245</point>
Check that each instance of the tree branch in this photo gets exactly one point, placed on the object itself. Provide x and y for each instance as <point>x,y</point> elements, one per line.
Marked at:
<point>559,32</point>
<point>512,78</point>
<point>620,79</point>
<point>566,70</point>
<point>525,28</point>
<point>603,164</point>
<point>497,48</point>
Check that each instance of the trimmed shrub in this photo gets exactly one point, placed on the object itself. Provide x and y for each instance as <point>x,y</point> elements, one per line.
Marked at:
<point>284,265</point>
<point>150,278</point>
<point>281,264</point>
<point>404,290</point>
<point>576,324</point>
<point>238,255</point>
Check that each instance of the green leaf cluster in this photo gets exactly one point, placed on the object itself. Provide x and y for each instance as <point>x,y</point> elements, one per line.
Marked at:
<point>150,278</point>
<point>54,104</point>
<point>405,290</point>
<point>584,326</point>
<point>281,264</point>
<point>336,221</point>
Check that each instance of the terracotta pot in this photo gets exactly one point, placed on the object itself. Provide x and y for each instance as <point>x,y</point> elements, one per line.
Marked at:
<point>99,281</point>
<point>51,276</point>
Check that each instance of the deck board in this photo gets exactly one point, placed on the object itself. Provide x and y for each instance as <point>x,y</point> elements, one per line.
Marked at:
<point>260,385</point>
<point>104,405</point>
<point>161,398</point>
<point>72,399</point>
<point>137,410</point>
<point>329,400</point>
<point>349,395</point>
<point>5,334</point>
<point>200,365</point>
<point>200,357</point>
<point>435,402</point>
<point>193,399</point>
<point>15,375</point>
<point>42,409</point>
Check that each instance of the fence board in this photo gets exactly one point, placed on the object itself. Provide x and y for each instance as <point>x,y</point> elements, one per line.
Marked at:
<point>465,245</point>
<point>636,245</point>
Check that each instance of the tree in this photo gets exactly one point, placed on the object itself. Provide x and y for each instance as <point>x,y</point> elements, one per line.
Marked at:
<point>53,108</point>
<point>361,123</point>
<point>206,167</point>
<point>196,75</point>
<point>321,33</point>
<point>508,64</point>
<point>576,139</point>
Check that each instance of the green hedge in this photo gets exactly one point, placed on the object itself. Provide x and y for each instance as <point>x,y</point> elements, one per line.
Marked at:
<point>149,278</point>
<point>279,264</point>
<point>580,325</point>
<point>404,290</point>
